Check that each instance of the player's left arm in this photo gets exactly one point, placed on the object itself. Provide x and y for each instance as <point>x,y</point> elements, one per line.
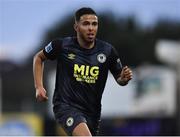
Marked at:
<point>121,74</point>
<point>125,76</point>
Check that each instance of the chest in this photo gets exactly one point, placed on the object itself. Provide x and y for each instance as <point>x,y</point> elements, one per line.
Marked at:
<point>85,58</point>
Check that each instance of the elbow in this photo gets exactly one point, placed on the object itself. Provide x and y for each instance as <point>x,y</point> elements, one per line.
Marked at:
<point>39,57</point>
<point>36,58</point>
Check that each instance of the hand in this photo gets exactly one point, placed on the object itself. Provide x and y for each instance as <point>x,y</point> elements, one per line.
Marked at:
<point>41,94</point>
<point>125,76</point>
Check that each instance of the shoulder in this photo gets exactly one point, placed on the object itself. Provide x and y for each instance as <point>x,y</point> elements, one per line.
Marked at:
<point>103,44</point>
<point>62,41</point>
<point>68,40</point>
<point>56,40</point>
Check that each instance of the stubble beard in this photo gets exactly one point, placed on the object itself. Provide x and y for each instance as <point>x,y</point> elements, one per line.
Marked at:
<point>88,40</point>
<point>85,42</point>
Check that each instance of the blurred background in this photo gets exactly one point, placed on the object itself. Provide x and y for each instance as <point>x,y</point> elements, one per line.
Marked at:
<point>146,33</point>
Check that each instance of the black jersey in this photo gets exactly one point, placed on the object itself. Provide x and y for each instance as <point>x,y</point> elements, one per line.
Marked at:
<point>82,73</point>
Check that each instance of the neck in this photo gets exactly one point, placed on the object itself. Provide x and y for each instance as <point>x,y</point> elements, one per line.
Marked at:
<point>84,44</point>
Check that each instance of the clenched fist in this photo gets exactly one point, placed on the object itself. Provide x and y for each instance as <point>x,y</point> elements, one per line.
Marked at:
<point>41,94</point>
<point>125,76</point>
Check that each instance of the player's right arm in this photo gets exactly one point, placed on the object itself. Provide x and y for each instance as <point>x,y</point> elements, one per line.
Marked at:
<point>38,67</point>
<point>51,51</point>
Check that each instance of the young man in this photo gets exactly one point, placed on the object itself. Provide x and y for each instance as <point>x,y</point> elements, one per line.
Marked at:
<point>82,68</point>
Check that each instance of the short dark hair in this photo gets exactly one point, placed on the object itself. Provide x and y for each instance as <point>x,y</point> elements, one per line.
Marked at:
<point>82,11</point>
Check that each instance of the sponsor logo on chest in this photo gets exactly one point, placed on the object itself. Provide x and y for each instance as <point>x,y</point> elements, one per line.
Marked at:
<point>85,73</point>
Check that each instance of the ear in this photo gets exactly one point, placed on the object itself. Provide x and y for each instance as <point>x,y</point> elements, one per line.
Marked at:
<point>75,26</point>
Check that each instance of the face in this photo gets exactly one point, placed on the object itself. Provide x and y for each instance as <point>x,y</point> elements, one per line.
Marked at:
<point>87,27</point>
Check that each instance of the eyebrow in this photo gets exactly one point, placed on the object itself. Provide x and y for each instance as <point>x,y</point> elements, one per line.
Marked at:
<point>94,20</point>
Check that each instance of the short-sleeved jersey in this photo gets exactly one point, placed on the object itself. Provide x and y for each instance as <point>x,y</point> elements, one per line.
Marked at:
<point>82,73</point>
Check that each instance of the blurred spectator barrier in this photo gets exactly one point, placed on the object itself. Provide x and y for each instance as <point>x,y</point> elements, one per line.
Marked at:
<point>21,124</point>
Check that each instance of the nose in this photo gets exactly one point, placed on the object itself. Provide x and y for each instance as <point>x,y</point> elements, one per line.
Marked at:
<point>90,28</point>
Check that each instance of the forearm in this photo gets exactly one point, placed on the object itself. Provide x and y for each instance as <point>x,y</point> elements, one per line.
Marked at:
<point>38,67</point>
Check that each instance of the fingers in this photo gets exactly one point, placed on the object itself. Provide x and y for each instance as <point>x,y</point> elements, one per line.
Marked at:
<point>41,95</point>
<point>126,73</point>
<point>42,98</point>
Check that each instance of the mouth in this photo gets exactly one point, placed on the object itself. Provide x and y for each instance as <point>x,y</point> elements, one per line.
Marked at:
<point>90,35</point>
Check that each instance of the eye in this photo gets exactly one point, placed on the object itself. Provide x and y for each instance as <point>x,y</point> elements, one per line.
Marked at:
<point>94,23</point>
<point>85,23</point>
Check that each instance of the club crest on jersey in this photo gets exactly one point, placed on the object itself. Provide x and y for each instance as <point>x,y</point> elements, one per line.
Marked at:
<point>71,56</point>
<point>48,48</point>
<point>69,121</point>
<point>101,58</point>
